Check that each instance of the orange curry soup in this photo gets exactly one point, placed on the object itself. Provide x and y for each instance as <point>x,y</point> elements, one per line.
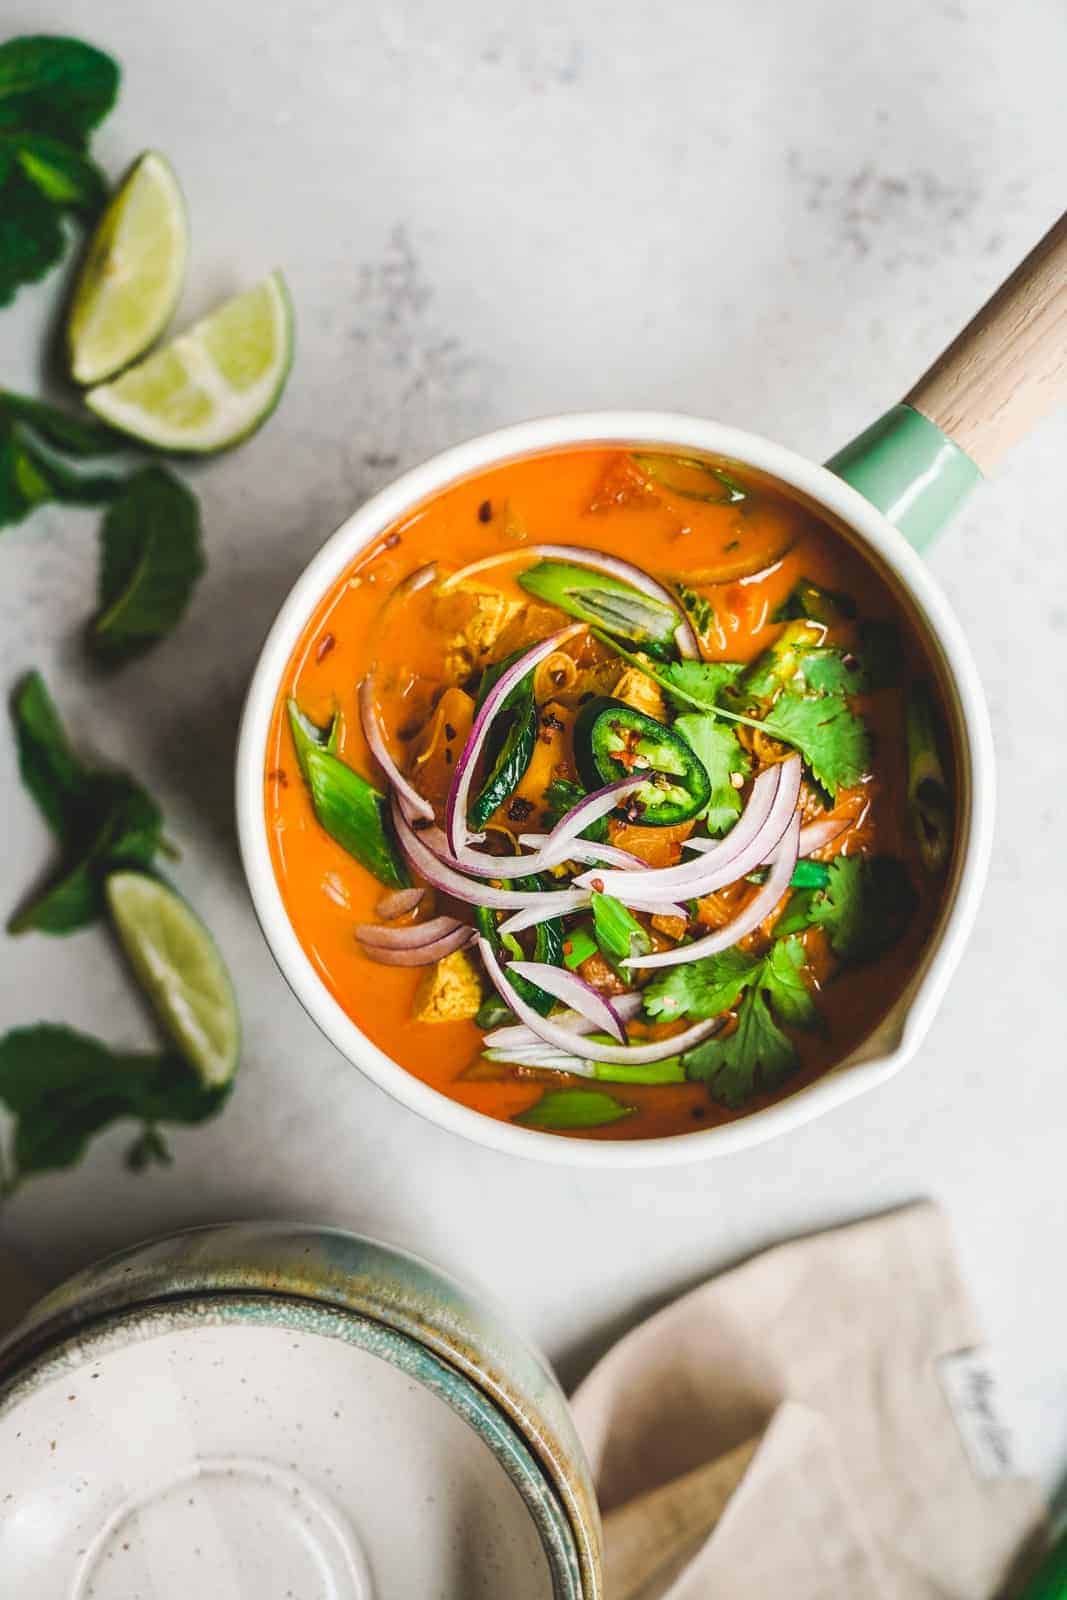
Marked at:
<point>743,551</point>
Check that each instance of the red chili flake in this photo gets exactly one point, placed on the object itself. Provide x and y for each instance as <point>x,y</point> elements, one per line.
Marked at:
<point>568,946</point>
<point>485,511</point>
<point>520,809</point>
<point>391,541</point>
<point>448,758</point>
<point>598,884</point>
<point>324,646</point>
<point>450,732</point>
<point>279,775</point>
<point>550,720</point>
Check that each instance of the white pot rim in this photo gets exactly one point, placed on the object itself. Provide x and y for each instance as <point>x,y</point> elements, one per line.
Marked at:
<point>619,427</point>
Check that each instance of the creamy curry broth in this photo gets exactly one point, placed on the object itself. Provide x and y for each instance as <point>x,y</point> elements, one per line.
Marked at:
<point>598,499</point>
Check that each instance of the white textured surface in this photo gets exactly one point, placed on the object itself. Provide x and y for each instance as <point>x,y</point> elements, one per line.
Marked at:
<point>773,214</point>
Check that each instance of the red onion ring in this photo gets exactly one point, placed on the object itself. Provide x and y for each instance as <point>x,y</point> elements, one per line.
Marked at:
<point>409,938</point>
<point>576,1044</point>
<point>398,902</point>
<point>761,905</point>
<point>596,561</point>
<point>372,732</point>
<point>425,955</point>
<point>819,834</point>
<point>754,829</point>
<point>574,992</point>
<point>625,1006</point>
<point>555,903</point>
<point>459,790</point>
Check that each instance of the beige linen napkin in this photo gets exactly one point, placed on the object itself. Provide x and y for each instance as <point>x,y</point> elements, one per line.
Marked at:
<point>817,1366</point>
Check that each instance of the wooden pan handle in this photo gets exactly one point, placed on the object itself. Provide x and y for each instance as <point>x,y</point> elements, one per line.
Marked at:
<point>1008,368</point>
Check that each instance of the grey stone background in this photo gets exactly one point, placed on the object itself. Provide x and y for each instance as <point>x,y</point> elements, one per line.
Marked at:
<point>766,212</point>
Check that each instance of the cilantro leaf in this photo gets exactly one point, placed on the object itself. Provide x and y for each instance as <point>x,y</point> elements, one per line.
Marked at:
<point>150,561</point>
<point>697,683</point>
<point>74,436</point>
<point>715,744</point>
<point>702,988</point>
<point>782,981</point>
<point>874,665</point>
<point>866,906</point>
<point>832,739</point>
<point>756,1057</point>
<point>102,819</point>
<point>55,85</point>
<point>63,1087</point>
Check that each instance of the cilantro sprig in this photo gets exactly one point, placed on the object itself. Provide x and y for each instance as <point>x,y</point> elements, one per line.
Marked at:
<point>769,993</point>
<point>830,737</point>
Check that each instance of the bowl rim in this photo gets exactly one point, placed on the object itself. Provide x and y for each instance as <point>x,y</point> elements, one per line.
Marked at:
<point>677,431</point>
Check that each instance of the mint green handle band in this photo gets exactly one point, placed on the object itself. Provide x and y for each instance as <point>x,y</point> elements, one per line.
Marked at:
<point>910,470</point>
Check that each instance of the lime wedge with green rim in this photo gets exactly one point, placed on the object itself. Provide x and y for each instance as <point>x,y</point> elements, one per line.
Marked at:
<point>133,273</point>
<point>212,386</point>
<point>178,964</point>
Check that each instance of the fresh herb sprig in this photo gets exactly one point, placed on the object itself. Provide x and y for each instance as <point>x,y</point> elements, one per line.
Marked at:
<point>101,819</point>
<point>53,92</point>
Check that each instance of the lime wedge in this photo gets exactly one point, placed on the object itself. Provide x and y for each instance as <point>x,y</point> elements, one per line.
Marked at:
<point>133,273</point>
<point>178,963</point>
<point>212,386</point>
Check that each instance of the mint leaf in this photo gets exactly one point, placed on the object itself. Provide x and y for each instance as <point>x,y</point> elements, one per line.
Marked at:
<point>716,746</point>
<point>102,819</point>
<point>31,476</point>
<point>31,234</point>
<point>53,774</point>
<point>150,561</point>
<point>866,906</point>
<point>63,1087</point>
<point>574,1108</point>
<point>756,1057</point>
<point>702,988</point>
<point>74,436</point>
<point>55,85</point>
<point>62,174</point>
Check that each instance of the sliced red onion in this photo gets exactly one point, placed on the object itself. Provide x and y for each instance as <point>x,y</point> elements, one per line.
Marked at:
<point>481,865</point>
<point>761,905</point>
<point>398,902</point>
<point>544,1059</point>
<point>372,732</point>
<point>425,954</point>
<point>586,850</point>
<point>591,808</point>
<point>596,561</point>
<point>625,1006</point>
<point>409,938</point>
<point>574,992</point>
<point>459,791</point>
<point>819,834</point>
<point>754,828</point>
<point>553,903</point>
<point>544,912</point>
<point>565,1039</point>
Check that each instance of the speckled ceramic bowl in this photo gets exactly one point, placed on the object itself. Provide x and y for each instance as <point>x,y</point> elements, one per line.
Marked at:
<point>265,1410</point>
